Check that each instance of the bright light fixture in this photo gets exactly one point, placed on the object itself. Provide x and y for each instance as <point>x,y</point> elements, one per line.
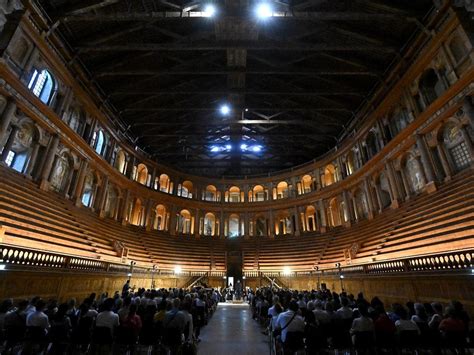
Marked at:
<point>264,10</point>
<point>209,10</point>
<point>2,266</point>
<point>257,148</point>
<point>228,147</point>
<point>177,269</point>
<point>214,149</point>
<point>286,270</point>
<point>243,147</point>
<point>225,109</point>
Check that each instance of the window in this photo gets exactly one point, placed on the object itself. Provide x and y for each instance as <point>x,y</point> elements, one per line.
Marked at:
<point>42,85</point>
<point>10,157</point>
<point>99,146</point>
<point>460,156</point>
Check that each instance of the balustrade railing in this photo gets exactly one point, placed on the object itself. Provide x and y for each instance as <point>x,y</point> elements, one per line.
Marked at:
<point>15,257</point>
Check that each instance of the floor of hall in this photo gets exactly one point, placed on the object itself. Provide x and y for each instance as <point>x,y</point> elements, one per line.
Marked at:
<point>231,330</point>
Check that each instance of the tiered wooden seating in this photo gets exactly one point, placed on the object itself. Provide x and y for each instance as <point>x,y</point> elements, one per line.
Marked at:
<point>425,224</point>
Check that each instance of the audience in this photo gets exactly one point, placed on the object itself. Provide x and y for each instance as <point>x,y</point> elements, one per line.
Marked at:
<point>371,325</point>
<point>164,318</point>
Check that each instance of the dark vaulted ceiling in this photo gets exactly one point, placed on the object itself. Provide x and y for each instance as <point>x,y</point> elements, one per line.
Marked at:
<point>293,81</point>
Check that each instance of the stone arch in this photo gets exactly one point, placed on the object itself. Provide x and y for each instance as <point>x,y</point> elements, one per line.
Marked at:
<point>361,204</point>
<point>111,201</point>
<point>120,161</point>
<point>329,176</point>
<point>283,223</point>
<point>210,193</point>
<point>281,190</point>
<point>61,172</point>
<point>137,212</point>
<point>184,223</point>
<point>209,225</point>
<point>161,219</point>
<point>185,189</point>
<point>142,174</point>
<point>310,224</point>
<point>233,194</point>
<point>165,183</point>
<point>334,213</point>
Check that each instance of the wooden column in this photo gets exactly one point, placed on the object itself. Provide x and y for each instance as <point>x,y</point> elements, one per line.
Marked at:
<point>6,118</point>
<point>48,162</point>
<point>77,191</point>
<point>426,162</point>
<point>9,143</point>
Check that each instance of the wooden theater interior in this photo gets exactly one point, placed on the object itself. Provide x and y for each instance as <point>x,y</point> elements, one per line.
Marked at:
<point>174,143</point>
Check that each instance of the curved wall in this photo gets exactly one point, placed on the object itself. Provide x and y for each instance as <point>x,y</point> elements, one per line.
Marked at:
<point>415,136</point>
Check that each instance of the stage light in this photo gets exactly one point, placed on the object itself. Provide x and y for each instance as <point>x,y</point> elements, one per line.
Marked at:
<point>257,148</point>
<point>341,277</point>
<point>228,147</point>
<point>177,269</point>
<point>209,10</point>
<point>264,11</point>
<point>225,110</point>
<point>243,147</point>
<point>286,270</point>
<point>2,267</point>
<point>214,149</point>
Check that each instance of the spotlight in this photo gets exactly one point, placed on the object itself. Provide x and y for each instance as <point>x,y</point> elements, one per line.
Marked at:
<point>257,148</point>
<point>337,264</point>
<point>286,270</point>
<point>224,277</point>
<point>228,147</point>
<point>209,10</point>
<point>264,10</point>
<point>225,110</point>
<point>2,267</point>
<point>341,277</point>
<point>243,147</point>
<point>177,269</point>
<point>129,274</point>
<point>214,149</point>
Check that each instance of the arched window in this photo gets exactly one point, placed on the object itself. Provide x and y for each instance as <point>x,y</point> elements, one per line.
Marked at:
<point>186,189</point>
<point>399,120</point>
<point>142,174</point>
<point>284,224</point>
<point>161,218</point>
<point>350,163</point>
<point>209,228</point>
<point>258,194</point>
<point>184,222</point>
<point>137,213</point>
<point>60,172</point>
<point>43,85</point>
<point>210,194</point>
<point>233,194</point>
<point>165,183</point>
<point>20,151</point>
<point>415,174</point>
<point>75,120</point>
<point>281,190</point>
<point>310,219</point>
<point>430,86</point>
<point>234,226</point>
<point>329,176</point>
<point>306,184</point>
<point>120,161</point>
<point>99,140</point>
<point>371,144</point>
<point>88,191</point>
<point>458,152</point>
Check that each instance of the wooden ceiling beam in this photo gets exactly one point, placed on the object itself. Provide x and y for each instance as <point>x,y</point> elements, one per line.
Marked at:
<point>159,72</point>
<point>248,45</point>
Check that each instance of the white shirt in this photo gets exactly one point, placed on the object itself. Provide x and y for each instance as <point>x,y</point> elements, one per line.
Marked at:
<point>362,324</point>
<point>344,313</point>
<point>296,325</point>
<point>37,319</point>
<point>107,319</point>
